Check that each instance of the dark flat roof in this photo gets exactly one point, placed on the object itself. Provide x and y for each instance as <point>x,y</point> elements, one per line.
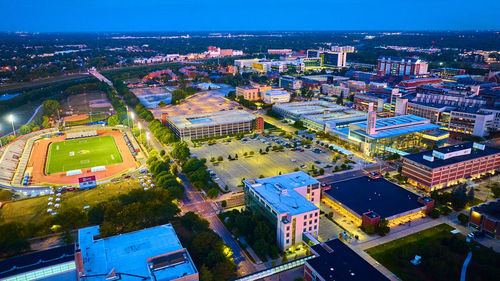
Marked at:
<point>36,260</point>
<point>491,209</point>
<point>343,263</point>
<point>475,153</point>
<point>378,195</point>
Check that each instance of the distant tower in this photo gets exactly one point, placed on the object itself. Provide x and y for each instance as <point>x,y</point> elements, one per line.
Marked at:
<point>372,121</point>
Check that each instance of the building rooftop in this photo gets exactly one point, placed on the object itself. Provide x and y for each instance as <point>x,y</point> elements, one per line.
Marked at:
<point>36,260</point>
<point>309,107</point>
<point>337,261</point>
<point>276,93</point>
<point>491,209</point>
<point>153,251</point>
<point>381,196</point>
<point>460,157</point>
<point>212,118</point>
<point>396,126</point>
<point>278,191</point>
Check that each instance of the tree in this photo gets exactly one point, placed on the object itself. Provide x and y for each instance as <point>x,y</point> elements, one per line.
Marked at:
<point>284,259</point>
<point>205,274</point>
<point>46,122</point>
<point>213,192</point>
<point>50,107</point>
<point>181,151</point>
<point>251,153</point>
<point>13,238</point>
<point>369,229</point>
<point>383,227</point>
<point>24,129</point>
<point>435,214</point>
<point>459,198</point>
<point>162,104</point>
<point>463,219</point>
<point>113,120</point>
<point>220,158</point>
<point>223,203</point>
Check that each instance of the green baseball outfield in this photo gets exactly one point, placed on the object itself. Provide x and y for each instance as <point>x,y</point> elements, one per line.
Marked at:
<point>83,153</point>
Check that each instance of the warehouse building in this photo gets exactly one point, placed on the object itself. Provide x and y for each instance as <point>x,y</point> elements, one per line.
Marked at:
<point>214,124</point>
<point>150,254</point>
<point>438,168</point>
<point>290,202</point>
<point>337,261</point>
<point>368,200</point>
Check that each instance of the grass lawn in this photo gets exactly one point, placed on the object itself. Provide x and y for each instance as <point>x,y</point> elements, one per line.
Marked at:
<point>35,209</point>
<point>442,256</point>
<point>83,153</point>
<point>95,118</point>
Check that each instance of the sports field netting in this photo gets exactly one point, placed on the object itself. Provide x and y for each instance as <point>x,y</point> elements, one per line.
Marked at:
<point>83,153</point>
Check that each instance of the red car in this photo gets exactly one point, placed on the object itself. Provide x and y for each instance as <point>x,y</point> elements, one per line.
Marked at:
<point>301,150</point>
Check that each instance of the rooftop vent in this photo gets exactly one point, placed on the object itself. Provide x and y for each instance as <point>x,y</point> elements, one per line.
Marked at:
<point>478,146</point>
<point>429,158</point>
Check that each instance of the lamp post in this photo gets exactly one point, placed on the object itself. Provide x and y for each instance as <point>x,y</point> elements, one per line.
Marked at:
<point>132,116</point>
<point>147,138</point>
<point>11,120</point>
<point>1,142</point>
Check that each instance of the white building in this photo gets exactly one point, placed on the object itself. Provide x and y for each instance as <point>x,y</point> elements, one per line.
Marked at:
<point>332,90</point>
<point>290,202</point>
<point>275,96</point>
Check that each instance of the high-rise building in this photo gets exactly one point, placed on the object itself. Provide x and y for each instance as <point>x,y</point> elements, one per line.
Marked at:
<point>401,66</point>
<point>329,58</point>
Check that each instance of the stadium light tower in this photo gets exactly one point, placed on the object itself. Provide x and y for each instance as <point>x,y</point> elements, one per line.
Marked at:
<point>1,142</point>
<point>11,120</point>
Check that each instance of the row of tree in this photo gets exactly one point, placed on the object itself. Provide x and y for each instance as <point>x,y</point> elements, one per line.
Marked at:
<point>199,177</point>
<point>164,174</point>
<point>211,256</point>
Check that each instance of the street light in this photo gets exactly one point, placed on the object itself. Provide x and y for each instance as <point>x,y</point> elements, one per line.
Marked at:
<point>1,142</point>
<point>11,120</point>
<point>132,116</point>
<point>147,138</point>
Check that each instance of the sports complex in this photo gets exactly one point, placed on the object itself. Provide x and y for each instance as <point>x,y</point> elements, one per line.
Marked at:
<point>62,158</point>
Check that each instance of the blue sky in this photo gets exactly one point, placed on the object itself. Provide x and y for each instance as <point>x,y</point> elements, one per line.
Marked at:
<point>230,15</point>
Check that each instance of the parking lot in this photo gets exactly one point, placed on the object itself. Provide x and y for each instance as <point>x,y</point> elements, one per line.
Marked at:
<point>230,172</point>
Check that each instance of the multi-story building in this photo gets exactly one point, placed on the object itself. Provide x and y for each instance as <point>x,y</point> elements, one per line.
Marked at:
<point>334,260</point>
<point>438,168</point>
<point>333,90</point>
<point>475,123</point>
<point>290,202</point>
<point>279,51</point>
<point>290,83</point>
<point>362,101</point>
<point>275,96</point>
<point>252,92</point>
<point>486,218</point>
<point>150,254</point>
<point>47,265</point>
<point>366,200</point>
<point>248,92</point>
<point>388,135</point>
<point>412,84</point>
<point>401,66</point>
<point>319,115</point>
<point>214,124</point>
<point>449,72</point>
<point>245,63</point>
<point>329,58</point>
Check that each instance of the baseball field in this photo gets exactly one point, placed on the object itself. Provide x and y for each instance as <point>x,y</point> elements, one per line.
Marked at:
<point>83,153</point>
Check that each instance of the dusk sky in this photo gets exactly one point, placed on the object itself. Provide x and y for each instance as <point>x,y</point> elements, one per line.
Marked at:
<point>229,15</point>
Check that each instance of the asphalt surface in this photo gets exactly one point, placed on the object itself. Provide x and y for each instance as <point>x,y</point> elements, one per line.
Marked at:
<point>194,202</point>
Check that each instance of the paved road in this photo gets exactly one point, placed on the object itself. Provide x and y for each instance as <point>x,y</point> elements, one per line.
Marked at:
<point>194,202</point>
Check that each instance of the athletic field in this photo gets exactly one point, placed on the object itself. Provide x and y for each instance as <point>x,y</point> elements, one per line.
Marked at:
<point>83,153</point>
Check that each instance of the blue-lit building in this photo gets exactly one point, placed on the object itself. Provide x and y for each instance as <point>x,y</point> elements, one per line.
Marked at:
<point>388,135</point>
<point>150,254</point>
